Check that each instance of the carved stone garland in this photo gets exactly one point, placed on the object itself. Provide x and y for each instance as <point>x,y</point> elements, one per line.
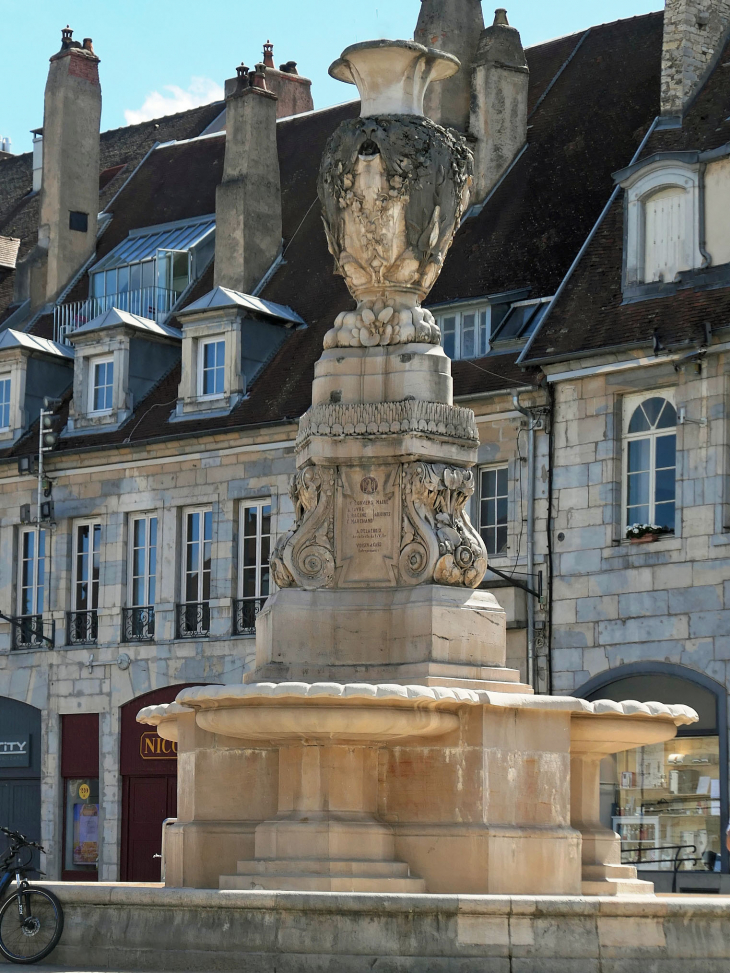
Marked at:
<point>438,541</point>
<point>393,189</point>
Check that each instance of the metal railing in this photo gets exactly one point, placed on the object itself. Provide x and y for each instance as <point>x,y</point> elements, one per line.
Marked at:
<point>29,633</point>
<point>675,858</point>
<point>82,627</point>
<point>245,611</point>
<point>138,624</point>
<point>193,619</point>
<point>155,303</point>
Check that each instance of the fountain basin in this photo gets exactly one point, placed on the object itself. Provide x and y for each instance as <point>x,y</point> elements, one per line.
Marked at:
<point>382,787</point>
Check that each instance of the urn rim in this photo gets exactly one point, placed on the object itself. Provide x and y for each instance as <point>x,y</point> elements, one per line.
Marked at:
<point>446,65</point>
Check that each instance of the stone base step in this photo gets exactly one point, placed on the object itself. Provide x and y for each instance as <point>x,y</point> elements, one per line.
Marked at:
<point>614,886</point>
<point>323,866</point>
<point>599,873</point>
<point>320,883</point>
<point>322,875</point>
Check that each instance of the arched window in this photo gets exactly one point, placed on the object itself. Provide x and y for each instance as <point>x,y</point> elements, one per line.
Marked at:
<point>668,800</point>
<point>650,448</point>
<point>664,232</point>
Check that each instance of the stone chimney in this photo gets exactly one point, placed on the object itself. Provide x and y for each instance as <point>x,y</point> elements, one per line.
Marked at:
<point>453,26</point>
<point>70,184</point>
<point>498,121</point>
<point>694,34</point>
<point>248,200</point>
<point>293,91</point>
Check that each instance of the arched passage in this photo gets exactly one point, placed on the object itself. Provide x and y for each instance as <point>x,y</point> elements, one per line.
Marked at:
<point>20,768</point>
<point>674,795</point>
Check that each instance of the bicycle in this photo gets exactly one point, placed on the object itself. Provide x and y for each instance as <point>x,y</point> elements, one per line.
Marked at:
<point>31,918</point>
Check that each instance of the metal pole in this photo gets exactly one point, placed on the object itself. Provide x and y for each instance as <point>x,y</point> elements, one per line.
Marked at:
<point>531,420</point>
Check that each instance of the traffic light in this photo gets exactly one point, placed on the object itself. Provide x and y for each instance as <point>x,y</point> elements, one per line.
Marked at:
<point>50,405</point>
<point>49,437</point>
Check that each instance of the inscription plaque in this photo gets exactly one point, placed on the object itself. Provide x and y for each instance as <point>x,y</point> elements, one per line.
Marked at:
<point>368,523</point>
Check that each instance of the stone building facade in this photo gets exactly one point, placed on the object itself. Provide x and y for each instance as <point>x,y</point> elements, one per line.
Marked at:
<point>180,382</point>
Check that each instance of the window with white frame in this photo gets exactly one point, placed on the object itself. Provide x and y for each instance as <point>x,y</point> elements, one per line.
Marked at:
<point>493,508</point>
<point>101,384</point>
<point>87,567</point>
<point>143,561</point>
<point>650,450</point>
<point>255,533</point>
<point>198,550</point>
<point>5,385</point>
<point>31,588</point>
<point>212,368</point>
<point>465,333</point>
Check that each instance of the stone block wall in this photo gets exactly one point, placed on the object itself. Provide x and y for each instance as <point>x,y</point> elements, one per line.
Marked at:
<point>87,678</point>
<point>617,602</point>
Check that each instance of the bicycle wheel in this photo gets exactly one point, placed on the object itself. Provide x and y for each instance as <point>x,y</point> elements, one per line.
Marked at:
<point>31,923</point>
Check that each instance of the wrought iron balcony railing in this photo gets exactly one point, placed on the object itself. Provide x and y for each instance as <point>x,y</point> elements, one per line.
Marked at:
<point>193,620</point>
<point>245,611</point>
<point>82,627</point>
<point>138,624</point>
<point>29,632</point>
<point>155,303</point>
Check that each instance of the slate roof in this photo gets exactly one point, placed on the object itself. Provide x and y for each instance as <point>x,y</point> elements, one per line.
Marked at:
<point>593,96</point>
<point>590,315</point>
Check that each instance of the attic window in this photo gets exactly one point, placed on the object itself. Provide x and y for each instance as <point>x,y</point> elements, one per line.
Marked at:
<point>78,221</point>
<point>5,385</point>
<point>146,274</point>
<point>521,320</point>
<point>662,222</point>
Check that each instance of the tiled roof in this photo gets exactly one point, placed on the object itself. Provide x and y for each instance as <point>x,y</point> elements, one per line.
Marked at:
<point>602,94</point>
<point>121,150</point>
<point>590,314</point>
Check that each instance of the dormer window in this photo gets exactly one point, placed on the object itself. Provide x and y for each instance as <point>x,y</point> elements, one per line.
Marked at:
<point>118,359</point>
<point>212,368</point>
<point>662,222</point>
<point>468,327</point>
<point>146,274</point>
<point>228,337</point>
<point>101,386</point>
<point>5,386</point>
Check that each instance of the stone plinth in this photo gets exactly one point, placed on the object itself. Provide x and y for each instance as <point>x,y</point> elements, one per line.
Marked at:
<point>426,635</point>
<point>419,372</point>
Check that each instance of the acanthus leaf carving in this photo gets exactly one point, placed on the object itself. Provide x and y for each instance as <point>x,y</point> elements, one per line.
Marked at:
<point>438,540</point>
<point>304,556</point>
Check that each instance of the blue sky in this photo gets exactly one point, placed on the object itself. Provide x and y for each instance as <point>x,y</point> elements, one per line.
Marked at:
<point>162,57</point>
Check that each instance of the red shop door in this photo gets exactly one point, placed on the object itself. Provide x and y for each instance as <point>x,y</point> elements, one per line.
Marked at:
<point>149,788</point>
<point>147,801</point>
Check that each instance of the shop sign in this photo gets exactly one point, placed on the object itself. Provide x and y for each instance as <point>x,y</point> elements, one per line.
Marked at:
<point>15,753</point>
<point>153,747</point>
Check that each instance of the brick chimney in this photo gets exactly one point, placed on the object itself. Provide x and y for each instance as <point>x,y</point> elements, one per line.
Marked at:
<point>293,91</point>
<point>498,121</point>
<point>248,200</point>
<point>694,34</point>
<point>453,26</point>
<point>69,200</point>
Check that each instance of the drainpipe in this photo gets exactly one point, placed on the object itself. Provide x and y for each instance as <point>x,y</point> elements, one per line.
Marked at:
<point>531,675</point>
<point>706,257</point>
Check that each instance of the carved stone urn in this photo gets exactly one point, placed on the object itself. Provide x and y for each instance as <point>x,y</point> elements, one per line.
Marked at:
<point>394,187</point>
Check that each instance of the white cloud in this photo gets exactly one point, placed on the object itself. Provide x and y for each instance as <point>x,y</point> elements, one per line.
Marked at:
<point>172,99</point>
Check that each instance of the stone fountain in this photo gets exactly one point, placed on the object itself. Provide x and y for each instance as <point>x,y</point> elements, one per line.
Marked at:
<point>381,744</point>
